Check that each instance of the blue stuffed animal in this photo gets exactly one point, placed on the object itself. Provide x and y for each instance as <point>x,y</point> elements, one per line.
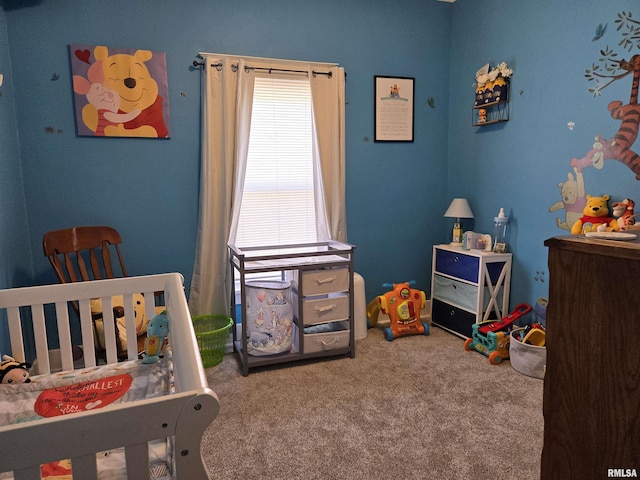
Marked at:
<point>157,331</point>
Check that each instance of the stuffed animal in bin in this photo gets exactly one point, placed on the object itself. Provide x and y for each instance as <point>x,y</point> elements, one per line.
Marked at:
<point>13,372</point>
<point>157,331</point>
<point>596,217</point>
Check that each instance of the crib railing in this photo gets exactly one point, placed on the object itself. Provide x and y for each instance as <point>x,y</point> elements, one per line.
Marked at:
<point>182,416</point>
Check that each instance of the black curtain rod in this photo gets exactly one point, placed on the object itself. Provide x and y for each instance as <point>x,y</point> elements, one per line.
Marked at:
<point>264,69</point>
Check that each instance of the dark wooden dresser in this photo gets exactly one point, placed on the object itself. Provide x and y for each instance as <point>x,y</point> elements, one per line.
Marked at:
<point>592,381</point>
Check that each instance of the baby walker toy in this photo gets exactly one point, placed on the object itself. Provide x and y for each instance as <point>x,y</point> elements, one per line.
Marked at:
<point>491,338</point>
<point>403,305</point>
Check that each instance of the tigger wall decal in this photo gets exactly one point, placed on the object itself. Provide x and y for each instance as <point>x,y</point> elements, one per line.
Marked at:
<point>618,147</point>
<point>607,70</point>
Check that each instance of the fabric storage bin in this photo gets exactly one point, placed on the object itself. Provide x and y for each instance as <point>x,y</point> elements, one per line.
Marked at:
<point>540,310</point>
<point>456,292</point>
<point>460,293</point>
<point>322,337</point>
<point>464,266</point>
<point>527,359</point>
<point>326,308</point>
<point>269,317</point>
<point>452,317</point>
<point>321,281</point>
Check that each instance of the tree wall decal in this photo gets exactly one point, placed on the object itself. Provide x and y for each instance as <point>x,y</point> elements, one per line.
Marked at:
<point>607,70</point>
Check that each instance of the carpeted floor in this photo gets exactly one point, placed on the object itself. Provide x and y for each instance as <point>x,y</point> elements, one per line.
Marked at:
<point>419,407</point>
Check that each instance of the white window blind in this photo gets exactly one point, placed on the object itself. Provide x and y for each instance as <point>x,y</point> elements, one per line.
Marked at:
<point>278,199</point>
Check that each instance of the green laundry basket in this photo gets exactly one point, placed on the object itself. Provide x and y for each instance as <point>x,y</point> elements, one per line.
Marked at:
<point>212,332</point>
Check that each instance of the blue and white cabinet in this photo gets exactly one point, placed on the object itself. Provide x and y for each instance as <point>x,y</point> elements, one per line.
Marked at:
<point>467,287</point>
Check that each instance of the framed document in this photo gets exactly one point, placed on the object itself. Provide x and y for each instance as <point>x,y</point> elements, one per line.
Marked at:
<point>393,108</point>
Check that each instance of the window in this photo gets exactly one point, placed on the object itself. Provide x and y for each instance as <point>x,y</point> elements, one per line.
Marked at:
<point>278,199</point>
<point>228,108</point>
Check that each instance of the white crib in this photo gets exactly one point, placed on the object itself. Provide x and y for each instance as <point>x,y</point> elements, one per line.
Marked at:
<point>178,417</point>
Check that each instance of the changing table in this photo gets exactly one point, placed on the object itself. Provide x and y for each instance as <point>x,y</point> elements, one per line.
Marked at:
<point>321,278</point>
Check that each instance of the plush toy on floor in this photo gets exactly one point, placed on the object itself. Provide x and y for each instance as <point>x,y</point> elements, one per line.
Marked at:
<point>13,372</point>
<point>157,330</point>
<point>403,304</point>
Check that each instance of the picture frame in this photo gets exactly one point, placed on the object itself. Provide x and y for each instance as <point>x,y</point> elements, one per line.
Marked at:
<point>110,102</point>
<point>393,108</point>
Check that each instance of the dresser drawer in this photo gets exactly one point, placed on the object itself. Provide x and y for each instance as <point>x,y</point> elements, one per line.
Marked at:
<point>321,281</point>
<point>327,308</point>
<point>456,292</point>
<point>452,318</point>
<point>462,294</point>
<point>457,265</point>
<point>322,338</point>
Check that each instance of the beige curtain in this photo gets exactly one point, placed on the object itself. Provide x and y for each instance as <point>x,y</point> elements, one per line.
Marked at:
<point>327,94</point>
<point>227,99</point>
<point>227,94</point>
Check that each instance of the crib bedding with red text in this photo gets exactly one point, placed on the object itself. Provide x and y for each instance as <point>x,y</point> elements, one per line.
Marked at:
<point>66,393</point>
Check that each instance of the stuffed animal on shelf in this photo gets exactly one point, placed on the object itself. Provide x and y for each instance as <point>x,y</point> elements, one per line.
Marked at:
<point>623,211</point>
<point>596,217</point>
<point>13,372</point>
<point>157,331</point>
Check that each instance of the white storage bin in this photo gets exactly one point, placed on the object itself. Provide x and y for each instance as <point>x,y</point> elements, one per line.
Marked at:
<point>527,359</point>
<point>360,320</point>
<point>330,336</point>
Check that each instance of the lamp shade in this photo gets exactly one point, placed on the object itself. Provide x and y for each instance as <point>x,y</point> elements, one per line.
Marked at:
<point>459,208</point>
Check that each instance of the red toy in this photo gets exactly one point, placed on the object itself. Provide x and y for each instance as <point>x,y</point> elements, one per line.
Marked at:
<point>491,338</point>
<point>403,305</point>
<point>507,322</point>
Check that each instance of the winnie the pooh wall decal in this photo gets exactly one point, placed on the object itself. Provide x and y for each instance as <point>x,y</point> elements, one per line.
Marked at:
<point>120,92</point>
<point>609,68</point>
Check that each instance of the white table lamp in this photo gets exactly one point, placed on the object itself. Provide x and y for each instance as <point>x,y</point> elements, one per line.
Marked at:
<point>458,209</point>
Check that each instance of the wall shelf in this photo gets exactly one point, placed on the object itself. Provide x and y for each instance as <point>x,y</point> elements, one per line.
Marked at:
<point>497,112</point>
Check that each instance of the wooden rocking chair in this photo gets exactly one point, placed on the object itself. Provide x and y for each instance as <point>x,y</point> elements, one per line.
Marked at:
<point>88,253</point>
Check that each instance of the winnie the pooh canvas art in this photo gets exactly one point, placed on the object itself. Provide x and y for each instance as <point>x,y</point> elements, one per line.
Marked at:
<point>133,81</point>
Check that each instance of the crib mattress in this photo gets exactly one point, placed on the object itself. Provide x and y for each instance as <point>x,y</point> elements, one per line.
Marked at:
<point>66,393</point>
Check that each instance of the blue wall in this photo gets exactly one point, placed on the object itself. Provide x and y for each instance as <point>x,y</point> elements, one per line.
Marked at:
<point>396,193</point>
<point>15,261</point>
<point>148,189</point>
<point>519,164</point>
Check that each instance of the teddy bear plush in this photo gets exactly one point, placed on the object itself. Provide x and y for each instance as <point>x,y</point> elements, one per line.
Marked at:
<point>596,217</point>
<point>117,303</point>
